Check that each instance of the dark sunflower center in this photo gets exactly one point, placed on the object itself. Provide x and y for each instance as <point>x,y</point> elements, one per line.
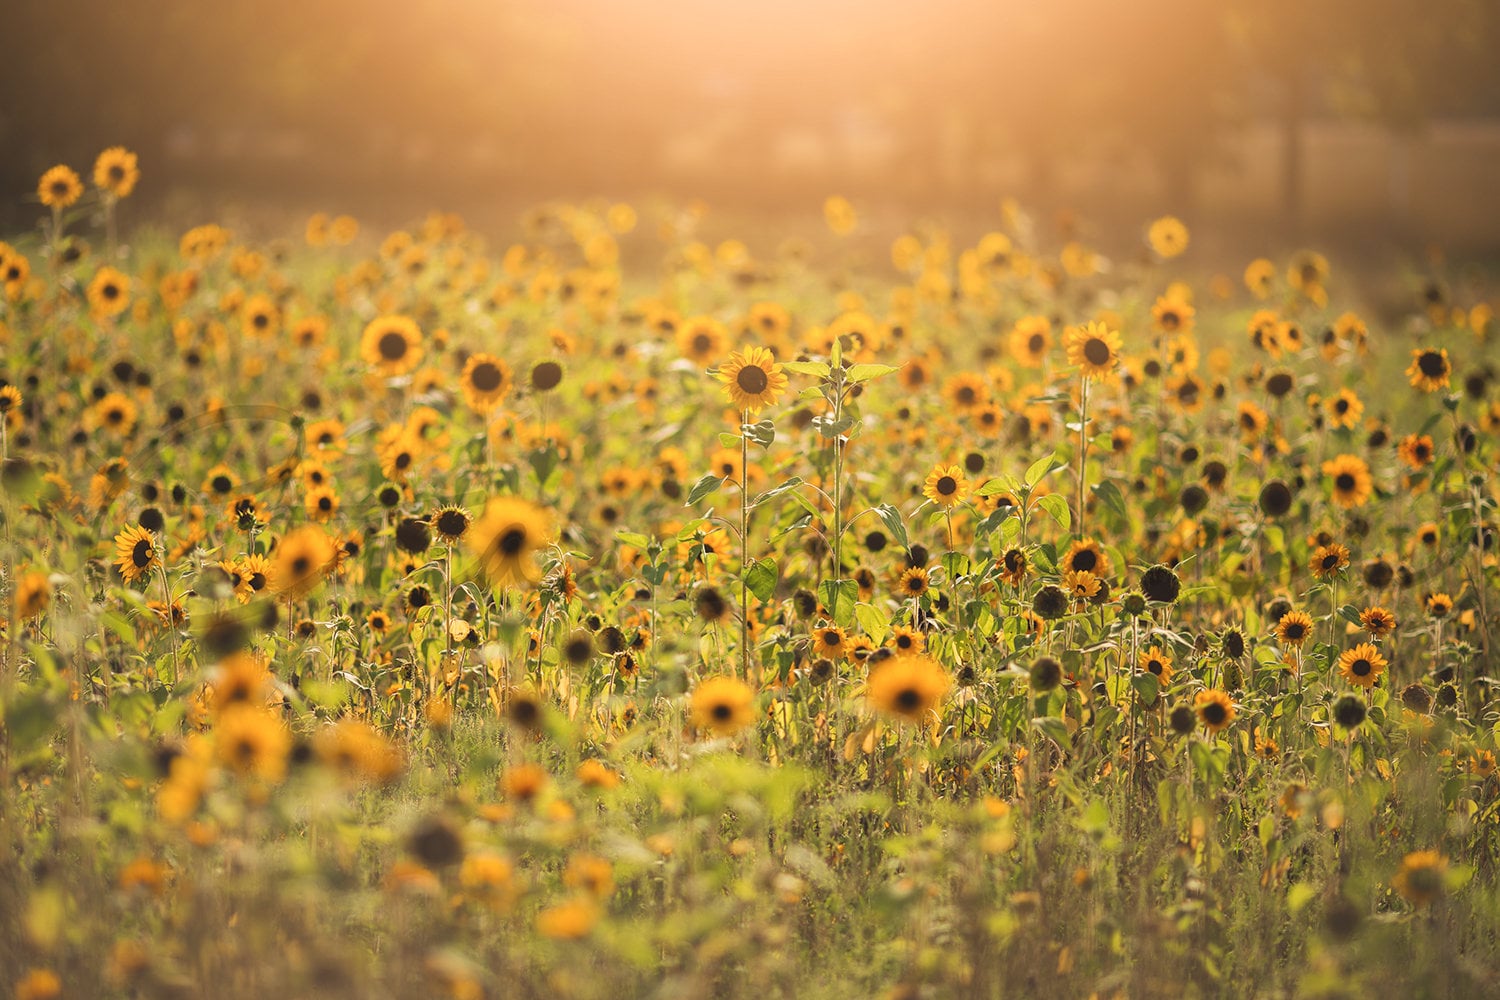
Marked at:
<point>1035,343</point>
<point>752,379</point>
<point>59,187</point>
<point>512,540</point>
<point>140,554</point>
<point>403,460</point>
<point>1330,562</point>
<point>1294,630</point>
<point>1213,713</point>
<point>966,394</point>
<point>903,642</point>
<point>702,343</point>
<point>1361,667</point>
<point>1170,320</point>
<point>301,565</point>
<point>1096,351</point>
<point>325,503</point>
<point>1155,666</point>
<point>908,699</point>
<point>257,581</point>
<point>1014,560</point>
<point>947,486</point>
<point>1344,481</point>
<point>261,320</point>
<point>111,291</point>
<point>1342,406</point>
<point>392,346</point>
<point>1432,364</point>
<point>546,375</point>
<point>452,522</point>
<point>222,484</point>
<point>721,712</point>
<point>116,172</point>
<point>485,377</point>
<point>1085,560</point>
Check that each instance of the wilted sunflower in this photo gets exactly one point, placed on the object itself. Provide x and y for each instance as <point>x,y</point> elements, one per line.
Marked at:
<point>485,382</point>
<point>506,538</point>
<point>1215,709</point>
<point>301,559</point>
<point>908,687</point>
<point>1094,348</point>
<point>135,553</point>
<point>945,486</point>
<point>1362,665</point>
<point>724,705</point>
<point>59,187</point>
<point>393,344</point>
<point>1429,369</point>
<point>752,379</point>
<point>1352,485</point>
<point>116,171</point>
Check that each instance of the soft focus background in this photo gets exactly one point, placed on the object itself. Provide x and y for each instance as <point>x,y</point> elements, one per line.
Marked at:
<point>1349,121</point>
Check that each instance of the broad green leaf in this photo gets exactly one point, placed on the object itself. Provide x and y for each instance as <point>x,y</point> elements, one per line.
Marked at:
<point>704,487</point>
<point>760,577</point>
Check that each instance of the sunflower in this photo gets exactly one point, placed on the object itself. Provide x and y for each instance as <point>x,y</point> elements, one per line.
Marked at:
<point>321,503</point>
<point>724,705</point>
<point>966,392</point>
<point>1422,877</point>
<point>1168,237</point>
<point>908,687</point>
<point>1415,450</point>
<point>301,558</point>
<point>1429,369</point>
<point>1012,565</point>
<point>506,538</point>
<point>59,187</point>
<point>1345,409</point>
<point>1085,555</point>
<point>912,582</point>
<point>945,486</point>
<point>135,553</point>
<point>1172,315</point>
<point>1157,662</point>
<point>545,376</point>
<point>116,171</point>
<point>33,593</point>
<point>829,641</point>
<point>485,382</point>
<point>1438,605</point>
<point>1362,665</point>
<point>109,293</point>
<point>1351,480</point>
<point>1215,710</point>
<point>1031,340</point>
<point>252,742</point>
<point>1329,560</point>
<point>1259,274</point>
<point>1377,621</point>
<point>393,344</point>
<point>1081,585</point>
<point>752,379</point>
<point>906,641</point>
<point>1094,348</point>
<point>701,339</point>
<point>1295,628</point>
<point>451,523</point>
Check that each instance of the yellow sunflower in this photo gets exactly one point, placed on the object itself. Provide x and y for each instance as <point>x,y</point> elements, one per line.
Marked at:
<point>1295,628</point>
<point>908,687</point>
<point>109,293</point>
<point>485,382</point>
<point>135,553</point>
<point>1422,877</point>
<point>393,344</point>
<point>1168,237</point>
<point>59,187</point>
<point>1429,369</point>
<point>301,559</point>
<point>945,486</point>
<point>752,379</point>
<point>724,705</point>
<point>1352,485</point>
<point>506,538</point>
<point>1215,709</point>
<point>1094,348</point>
<point>1157,662</point>
<point>1362,665</point>
<point>116,171</point>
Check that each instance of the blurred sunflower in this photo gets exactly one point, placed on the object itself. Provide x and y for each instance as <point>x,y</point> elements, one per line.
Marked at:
<point>59,187</point>
<point>1215,710</point>
<point>1421,878</point>
<point>109,293</point>
<point>1415,450</point>
<point>724,705</point>
<point>506,538</point>
<point>1329,560</point>
<point>116,171</point>
<point>1352,485</point>
<point>485,382</point>
<point>300,561</point>
<point>908,687</point>
<point>135,553</point>
<point>392,344</point>
<point>1429,368</point>
<point>1168,237</point>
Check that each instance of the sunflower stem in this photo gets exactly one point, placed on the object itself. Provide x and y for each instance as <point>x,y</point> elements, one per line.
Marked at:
<point>744,544</point>
<point>1083,450</point>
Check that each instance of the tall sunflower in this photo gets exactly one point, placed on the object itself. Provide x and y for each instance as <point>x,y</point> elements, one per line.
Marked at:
<point>1094,348</point>
<point>752,379</point>
<point>945,486</point>
<point>506,538</point>
<point>1362,665</point>
<point>393,344</point>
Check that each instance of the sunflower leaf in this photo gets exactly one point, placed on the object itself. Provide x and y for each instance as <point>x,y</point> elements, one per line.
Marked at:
<point>1056,505</point>
<point>874,622</point>
<point>894,524</point>
<point>818,369</point>
<point>864,373</point>
<point>1040,469</point>
<point>762,433</point>
<point>1109,495</point>
<point>839,597</point>
<point>704,487</point>
<point>760,577</point>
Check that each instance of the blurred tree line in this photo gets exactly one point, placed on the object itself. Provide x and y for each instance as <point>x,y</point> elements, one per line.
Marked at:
<point>586,94</point>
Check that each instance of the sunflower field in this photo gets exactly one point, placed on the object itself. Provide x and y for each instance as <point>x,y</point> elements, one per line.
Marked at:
<point>613,610</point>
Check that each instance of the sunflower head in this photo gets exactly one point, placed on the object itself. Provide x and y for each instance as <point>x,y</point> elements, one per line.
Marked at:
<point>392,344</point>
<point>907,687</point>
<point>1095,349</point>
<point>753,379</point>
<point>506,538</point>
<point>722,705</point>
<point>59,187</point>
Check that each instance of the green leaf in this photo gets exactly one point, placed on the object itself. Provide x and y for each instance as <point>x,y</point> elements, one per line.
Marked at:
<point>1147,686</point>
<point>1055,729</point>
<point>762,433</point>
<point>1056,505</point>
<point>830,428</point>
<point>728,440</point>
<point>874,622</point>
<point>1001,484</point>
<point>894,524</point>
<point>839,597</point>
<point>1350,614</point>
<point>1040,468</point>
<point>817,369</point>
<point>1109,495</point>
<point>776,491</point>
<point>760,577</point>
<point>864,373</point>
<point>633,539</point>
<point>704,487</point>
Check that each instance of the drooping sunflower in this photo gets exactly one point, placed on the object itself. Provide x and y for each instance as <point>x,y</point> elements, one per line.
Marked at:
<point>1362,665</point>
<point>1429,369</point>
<point>59,187</point>
<point>109,293</point>
<point>1094,348</point>
<point>392,344</point>
<point>945,486</point>
<point>724,705</point>
<point>300,561</point>
<point>485,382</point>
<point>753,379</point>
<point>116,171</point>
<point>506,538</point>
<point>1295,628</point>
<point>1215,709</point>
<point>135,553</point>
<point>1352,485</point>
<point>1012,566</point>
<point>908,687</point>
